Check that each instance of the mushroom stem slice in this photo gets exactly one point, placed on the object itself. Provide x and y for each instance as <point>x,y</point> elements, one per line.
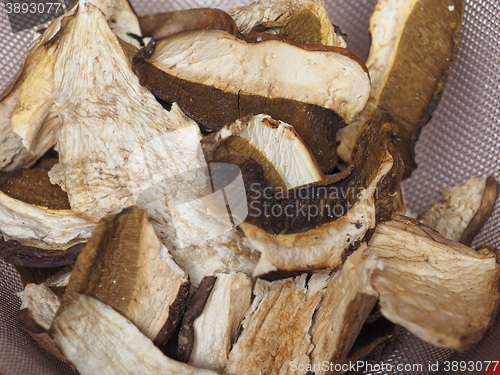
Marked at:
<point>332,217</point>
<point>442,291</point>
<point>319,92</point>
<point>98,340</point>
<point>281,306</point>
<point>212,321</point>
<point>408,72</point>
<point>463,210</point>
<point>125,266</point>
<point>348,300</point>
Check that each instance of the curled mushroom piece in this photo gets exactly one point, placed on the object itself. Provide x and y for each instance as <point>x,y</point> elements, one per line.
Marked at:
<point>285,159</point>
<point>316,225</point>
<point>265,14</point>
<point>98,340</point>
<point>316,89</point>
<point>36,221</point>
<point>442,291</point>
<point>463,210</point>
<point>408,72</point>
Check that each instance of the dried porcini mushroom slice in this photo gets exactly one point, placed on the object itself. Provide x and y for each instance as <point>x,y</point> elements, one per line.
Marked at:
<point>162,25</point>
<point>463,210</point>
<point>38,309</point>
<point>28,102</point>
<point>212,321</point>
<point>347,302</point>
<point>32,83</point>
<point>265,14</point>
<point>95,174</point>
<point>440,290</point>
<point>314,226</point>
<point>92,335</point>
<point>407,70</point>
<point>122,263</point>
<point>286,161</point>
<point>36,221</point>
<point>276,328</point>
<point>316,89</point>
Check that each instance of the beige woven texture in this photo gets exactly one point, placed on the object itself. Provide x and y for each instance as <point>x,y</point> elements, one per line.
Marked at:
<point>462,140</point>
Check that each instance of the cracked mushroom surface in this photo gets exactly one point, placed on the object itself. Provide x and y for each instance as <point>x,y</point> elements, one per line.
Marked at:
<point>37,224</point>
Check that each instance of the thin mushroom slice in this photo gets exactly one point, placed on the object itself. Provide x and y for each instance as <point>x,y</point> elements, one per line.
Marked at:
<point>275,145</point>
<point>277,14</point>
<point>463,210</point>
<point>442,291</point>
<point>212,321</point>
<point>347,302</point>
<point>330,218</point>
<point>98,340</point>
<point>162,25</point>
<point>36,221</point>
<point>413,46</point>
<point>125,266</point>
<point>276,328</point>
<point>316,89</point>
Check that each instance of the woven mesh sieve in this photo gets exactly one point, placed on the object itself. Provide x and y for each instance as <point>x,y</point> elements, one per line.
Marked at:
<point>462,140</point>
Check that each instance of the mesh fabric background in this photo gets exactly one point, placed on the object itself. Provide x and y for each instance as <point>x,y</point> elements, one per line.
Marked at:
<point>462,140</point>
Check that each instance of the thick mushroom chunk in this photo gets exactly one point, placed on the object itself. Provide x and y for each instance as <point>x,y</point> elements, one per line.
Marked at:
<point>125,266</point>
<point>98,340</point>
<point>38,309</point>
<point>212,321</point>
<point>276,328</point>
<point>280,14</point>
<point>316,89</point>
<point>463,210</point>
<point>36,221</point>
<point>285,159</point>
<point>413,46</point>
<point>347,302</point>
<point>314,226</point>
<point>442,291</point>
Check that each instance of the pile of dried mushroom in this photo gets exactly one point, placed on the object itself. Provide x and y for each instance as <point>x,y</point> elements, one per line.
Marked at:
<point>116,140</point>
